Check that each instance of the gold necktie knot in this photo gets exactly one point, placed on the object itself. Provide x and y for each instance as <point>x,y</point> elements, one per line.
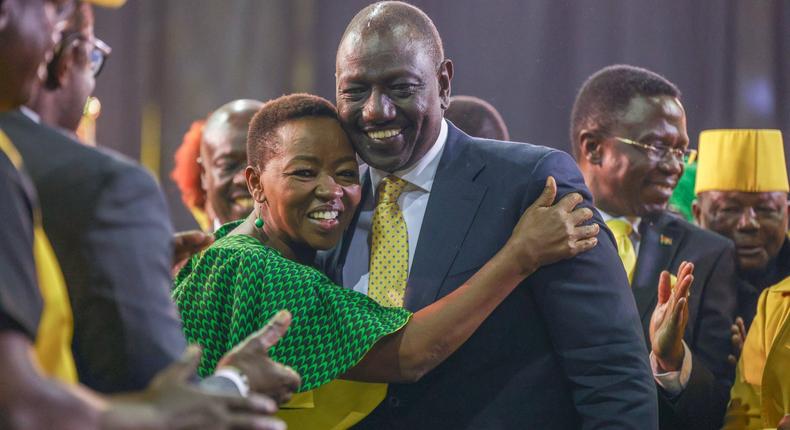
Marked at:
<point>390,188</point>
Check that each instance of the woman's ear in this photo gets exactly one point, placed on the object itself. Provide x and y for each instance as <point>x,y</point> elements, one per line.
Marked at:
<point>590,148</point>
<point>254,184</point>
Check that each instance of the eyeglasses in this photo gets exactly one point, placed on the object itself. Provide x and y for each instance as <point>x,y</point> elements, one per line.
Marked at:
<point>657,153</point>
<point>99,51</point>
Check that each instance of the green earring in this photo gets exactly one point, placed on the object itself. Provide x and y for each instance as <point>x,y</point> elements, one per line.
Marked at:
<point>259,222</point>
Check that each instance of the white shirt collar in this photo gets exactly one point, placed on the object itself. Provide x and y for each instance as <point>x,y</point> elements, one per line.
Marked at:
<point>422,173</point>
<point>30,113</point>
<point>634,221</point>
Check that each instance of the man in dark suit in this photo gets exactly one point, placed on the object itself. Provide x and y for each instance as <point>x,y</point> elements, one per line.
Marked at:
<point>108,224</point>
<point>628,130</point>
<point>565,350</point>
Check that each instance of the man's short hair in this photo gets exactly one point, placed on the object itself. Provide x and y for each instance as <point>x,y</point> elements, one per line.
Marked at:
<point>606,94</point>
<point>476,117</point>
<point>262,144</point>
<point>384,15</point>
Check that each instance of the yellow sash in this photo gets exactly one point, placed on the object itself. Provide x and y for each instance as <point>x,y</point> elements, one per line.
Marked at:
<point>337,405</point>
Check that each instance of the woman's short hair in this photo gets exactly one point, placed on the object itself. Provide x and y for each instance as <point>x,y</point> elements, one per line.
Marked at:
<point>262,143</point>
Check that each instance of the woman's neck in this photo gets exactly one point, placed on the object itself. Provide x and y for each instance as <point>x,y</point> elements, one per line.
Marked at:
<point>301,253</point>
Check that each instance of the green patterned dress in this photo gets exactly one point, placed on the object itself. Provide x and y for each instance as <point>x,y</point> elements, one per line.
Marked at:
<point>234,287</point>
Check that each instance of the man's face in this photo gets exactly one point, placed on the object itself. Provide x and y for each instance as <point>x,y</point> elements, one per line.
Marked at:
<point>223,158</point>
<point>27,35</point>
<point>390,93</point>
<point>79,82</point>
<point>756,222</point>
<point>629,180</point>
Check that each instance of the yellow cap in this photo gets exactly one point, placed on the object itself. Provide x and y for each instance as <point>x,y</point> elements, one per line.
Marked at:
<point>106,3</point>
<point>741,160</point>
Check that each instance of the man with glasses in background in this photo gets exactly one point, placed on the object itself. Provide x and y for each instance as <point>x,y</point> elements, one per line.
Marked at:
<point>628,133</point>
<point>59,100</point>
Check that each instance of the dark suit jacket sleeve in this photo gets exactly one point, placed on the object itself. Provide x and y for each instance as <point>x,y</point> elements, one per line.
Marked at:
<point>593,322</point>
<point>128,308</point>
<point>20,301</point>
<point>702,404</point>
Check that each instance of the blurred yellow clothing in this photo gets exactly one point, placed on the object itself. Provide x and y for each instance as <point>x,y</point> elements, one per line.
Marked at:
<point>55,329</point>
<point>760,396</point>
<point>337,405</point>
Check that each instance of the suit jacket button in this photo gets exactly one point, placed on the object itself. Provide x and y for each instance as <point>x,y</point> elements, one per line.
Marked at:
<point>393,401</point>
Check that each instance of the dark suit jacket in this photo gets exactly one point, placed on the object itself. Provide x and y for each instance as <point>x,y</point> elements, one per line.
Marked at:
<point>110,229</point>
<point>667,241</point>
<point>564,351</point>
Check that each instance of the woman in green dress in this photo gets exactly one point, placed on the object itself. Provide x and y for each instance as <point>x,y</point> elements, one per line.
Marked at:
<point>303,176</point>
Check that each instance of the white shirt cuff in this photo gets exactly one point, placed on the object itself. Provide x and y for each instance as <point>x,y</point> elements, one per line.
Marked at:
<point>673,382</point>
<point>234,375</point>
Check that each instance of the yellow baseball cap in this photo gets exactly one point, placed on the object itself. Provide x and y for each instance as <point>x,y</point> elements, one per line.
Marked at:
<point>747,160</point>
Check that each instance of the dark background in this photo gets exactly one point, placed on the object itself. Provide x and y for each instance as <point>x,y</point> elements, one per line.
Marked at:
<point>174,61</point>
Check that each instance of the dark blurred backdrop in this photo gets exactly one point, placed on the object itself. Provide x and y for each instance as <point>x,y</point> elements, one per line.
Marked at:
<point>175,60</point>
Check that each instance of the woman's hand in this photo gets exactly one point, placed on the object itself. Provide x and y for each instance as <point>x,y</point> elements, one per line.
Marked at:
<point>546,234</point>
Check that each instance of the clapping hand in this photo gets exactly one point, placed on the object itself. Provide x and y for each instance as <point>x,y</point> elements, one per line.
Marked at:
<point>669,319</point>
<point>186,244</point>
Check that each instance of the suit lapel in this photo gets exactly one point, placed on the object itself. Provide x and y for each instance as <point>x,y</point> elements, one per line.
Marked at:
<point>659,244</point>
<point>452,205</point>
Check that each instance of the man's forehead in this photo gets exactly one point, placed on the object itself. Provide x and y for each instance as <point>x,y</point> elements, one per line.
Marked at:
<point>744,197</point>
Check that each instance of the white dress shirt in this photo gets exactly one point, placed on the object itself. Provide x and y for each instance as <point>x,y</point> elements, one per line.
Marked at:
<point>672,382</point>
<point>413,201</point>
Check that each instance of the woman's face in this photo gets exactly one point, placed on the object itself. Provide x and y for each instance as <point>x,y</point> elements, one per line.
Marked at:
<point>311,187</point>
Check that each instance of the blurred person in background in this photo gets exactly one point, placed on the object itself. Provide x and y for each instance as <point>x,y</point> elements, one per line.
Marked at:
<point>28,399</point>
<point>476,117</point>
<point>223,157</point>
<point>110,232</point>
<point>187,174</point>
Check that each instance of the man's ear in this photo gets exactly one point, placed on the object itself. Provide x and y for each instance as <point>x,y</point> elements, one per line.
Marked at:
<point>445,76</point>
<point>590,148</point>
<point>203,179</point>
<point>253,177</point>
<point>696,211</point>
<point>59,67</point>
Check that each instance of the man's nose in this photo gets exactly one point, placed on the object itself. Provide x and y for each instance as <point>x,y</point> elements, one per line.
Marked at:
<point>748,220</point>
<point>378,108</point>
<point>240,179</point>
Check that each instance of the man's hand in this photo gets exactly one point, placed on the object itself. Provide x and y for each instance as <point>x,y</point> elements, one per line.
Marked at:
<point>738,330</point>
<point>251,358</point>
<point>186,244</point>
<point>171,402</point>
<point>784,423</point>
<point>669,319</point>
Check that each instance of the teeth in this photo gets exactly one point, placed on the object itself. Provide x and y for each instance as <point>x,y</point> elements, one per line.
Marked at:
<point>243,201</point>
<point>383,134</point>
<point>323,215</point>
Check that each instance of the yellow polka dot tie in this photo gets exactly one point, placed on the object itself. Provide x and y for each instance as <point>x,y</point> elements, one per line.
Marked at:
<point>625,248</point>
<point>389,248</point>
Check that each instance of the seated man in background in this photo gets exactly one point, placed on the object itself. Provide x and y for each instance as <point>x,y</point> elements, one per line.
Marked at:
<point>628,132</point>
<point>741,192</point>
<point>110,232</point>
<point>476,117</point>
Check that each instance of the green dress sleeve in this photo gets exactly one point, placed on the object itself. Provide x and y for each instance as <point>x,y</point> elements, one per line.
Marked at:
<point>234,288</point>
